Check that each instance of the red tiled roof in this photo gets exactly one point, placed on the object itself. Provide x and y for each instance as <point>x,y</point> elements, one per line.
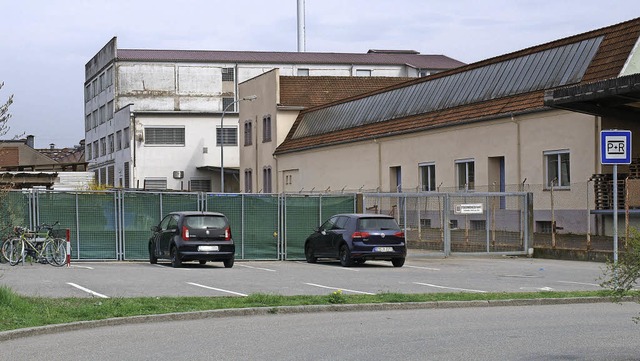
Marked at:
<point>311,91</point>
<point>419,61</point>
<point>615,48</point>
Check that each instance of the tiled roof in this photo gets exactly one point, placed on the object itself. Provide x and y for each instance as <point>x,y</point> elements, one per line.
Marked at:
<point>64,155</point>
<point>614,49</point>
<point>311,91</point>
<point>413,59</point>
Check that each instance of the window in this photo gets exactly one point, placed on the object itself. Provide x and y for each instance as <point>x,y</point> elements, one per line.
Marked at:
<point>478,225</point>
<point>303,72</point>
<point>200,185</point>
<point>227,102</point>
<point>466,174</point>
<point>89,152</point>
<point>427,177</point>
<point>125,138</point>
<point>164,136</point>
<point>87,122</point>
<point>544,227</point>
<point>119,140</point>
<point>363,72</point>
<point>111,175</point>
<point>248,181</point>
<point>111,144</point>
<point>230,136</point>
<point>248,136</point>
<point>101,83</point>
<point>102,114</point>
<point>126,175</point>
<point>109,77</point>
<point>94,116</point>
<point>266,180</point>
<point>266,128</point>
<point>110,110</point>
<point>424,73</point>
<point>227,74</point>
<point>87,93</point>
<point>557,168</point>
<point>96,152</point>
<point>103,146</point>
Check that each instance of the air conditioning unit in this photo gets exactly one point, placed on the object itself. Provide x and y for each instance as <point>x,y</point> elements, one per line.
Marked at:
<point>178,174</point>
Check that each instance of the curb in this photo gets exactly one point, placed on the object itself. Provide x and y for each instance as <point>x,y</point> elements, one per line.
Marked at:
<point>261,311</point>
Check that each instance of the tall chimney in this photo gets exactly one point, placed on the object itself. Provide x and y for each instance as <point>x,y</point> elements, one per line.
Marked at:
<point>301,35</point>
<point>30,140</point>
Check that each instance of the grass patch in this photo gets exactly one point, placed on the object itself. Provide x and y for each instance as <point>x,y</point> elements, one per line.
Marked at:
<point>18,311</point>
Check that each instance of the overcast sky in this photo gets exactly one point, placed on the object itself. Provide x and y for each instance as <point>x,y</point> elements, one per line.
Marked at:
<point>44,44</point>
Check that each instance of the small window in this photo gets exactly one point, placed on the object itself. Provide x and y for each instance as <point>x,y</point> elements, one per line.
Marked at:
<point>89,152</point>
<point>543,227</point>
<point>164,136</point>
<point>363,72</point>
<point>248,133</point>
<point>303,72</point>
<point>228,74</point>
<point>248,181</point>
<point>110,110</point>
<point>558,169</point>
<point>155,183</point>
<point>425,222</point>
<point>119,140</point>
<point>103,146</point>
<point>228,105</point>
<point>465,174</point>
<point>427,177</point>
<point>266,180</point>
<point>266,128</point>
<point>125,138</point>
<point>453,224</point>
<point>230,136</point>
<point>200,185</point>
<point>111,144</point>
<point>478,225</point>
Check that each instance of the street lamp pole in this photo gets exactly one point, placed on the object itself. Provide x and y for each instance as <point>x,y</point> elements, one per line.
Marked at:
<point>249,98</point>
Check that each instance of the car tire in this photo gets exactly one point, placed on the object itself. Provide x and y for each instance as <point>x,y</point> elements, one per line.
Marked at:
<point>228,263</point>
<point>152,257</point>
<point>308,254</point>
<point>397,262</point>
<point>176,261</point>
<point>345,256</point>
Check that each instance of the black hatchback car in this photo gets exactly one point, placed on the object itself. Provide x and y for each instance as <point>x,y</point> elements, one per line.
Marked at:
<point>355,238</point>
<point>192,236</point>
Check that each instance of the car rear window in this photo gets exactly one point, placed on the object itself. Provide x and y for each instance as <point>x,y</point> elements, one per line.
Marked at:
<point>377,224</point>
<point>203,222</point>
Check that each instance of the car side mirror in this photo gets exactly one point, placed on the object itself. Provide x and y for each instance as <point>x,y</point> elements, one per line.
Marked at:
<point>317,229</point>
<point>155,229</point>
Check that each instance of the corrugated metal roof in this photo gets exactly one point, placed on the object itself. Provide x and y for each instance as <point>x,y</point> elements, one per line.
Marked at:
<point>540,70</point>
<point>419,61</point>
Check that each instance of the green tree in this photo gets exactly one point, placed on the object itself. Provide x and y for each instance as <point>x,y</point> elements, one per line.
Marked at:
<point>622,276</point>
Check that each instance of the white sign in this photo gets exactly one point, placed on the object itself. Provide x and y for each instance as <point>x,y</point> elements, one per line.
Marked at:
<point>615,147</point>
<point>471,208</point>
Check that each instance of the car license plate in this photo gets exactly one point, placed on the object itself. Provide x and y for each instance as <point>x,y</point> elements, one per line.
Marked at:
<point>383,249</point>
<point>208,248</point>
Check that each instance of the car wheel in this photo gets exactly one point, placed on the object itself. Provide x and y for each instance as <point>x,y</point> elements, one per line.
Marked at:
<point>152,257</point>
<point>397,262</point>
<point>308,254</point>
<point>345,256</point>
<point>176,261</point>
<point>202,261</point>
<point>228,263</point>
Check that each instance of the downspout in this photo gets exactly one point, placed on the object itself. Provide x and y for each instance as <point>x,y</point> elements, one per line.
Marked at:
<point>257,161</point>
<point>375,140</point>
<point>518,148</point>
<point>132,117</point>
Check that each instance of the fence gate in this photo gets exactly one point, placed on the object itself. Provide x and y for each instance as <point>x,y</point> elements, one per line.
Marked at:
<point>493,222</point>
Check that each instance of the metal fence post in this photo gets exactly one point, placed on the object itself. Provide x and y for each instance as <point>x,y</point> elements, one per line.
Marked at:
<point>447,226</point>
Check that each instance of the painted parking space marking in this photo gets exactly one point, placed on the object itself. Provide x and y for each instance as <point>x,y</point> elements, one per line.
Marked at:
<point>536,289</point>
<point>580,283</point>
<point>256,268</point>
<point>339,289</point>
<point>87,290</point>
<point>327,264</point>
<point>83,267</point>
<point>217,289</point>
<point>449,288</point>
<point>427,268</point>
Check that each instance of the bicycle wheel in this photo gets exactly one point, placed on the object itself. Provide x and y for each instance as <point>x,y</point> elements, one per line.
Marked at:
<point>13,250</point>
<point>56,252</point>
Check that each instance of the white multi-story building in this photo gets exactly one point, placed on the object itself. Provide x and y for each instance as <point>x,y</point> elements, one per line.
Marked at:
<point>167,119</point>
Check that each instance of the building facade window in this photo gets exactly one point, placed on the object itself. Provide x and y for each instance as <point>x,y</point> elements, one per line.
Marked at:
<point>248,133</point>
<point>465,172</point>
<point>248,181</point>
<point>110,110</point>
<point>557,168</point>
<point>230,136</point>
<point>102,114</point>
<point>87,123</point>
<point>266,128</point>
<point>96,151</point>
<point>126,138</point>
<point>363,72</point>
<point>266,180</point>
<point>200,185</point>
<point>155,183</point>
<point>427,177</point>
<point>303,72</point>
<point>164,136</point>
<point>127,181</point>
<point>111,143</point>
<point>119,140</point>
<point>89,152</point>
<point>103,146</point>
<point>228,74</point>
<point>227,102</point>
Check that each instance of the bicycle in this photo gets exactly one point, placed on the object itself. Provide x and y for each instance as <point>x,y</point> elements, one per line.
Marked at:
<point>40,245</point>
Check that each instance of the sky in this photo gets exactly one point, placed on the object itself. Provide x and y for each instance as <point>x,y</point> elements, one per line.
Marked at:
<point>45,44</point>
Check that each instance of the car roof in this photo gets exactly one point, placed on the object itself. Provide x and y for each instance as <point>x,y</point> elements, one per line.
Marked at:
<point>363,215</point>
<point>198,213</point>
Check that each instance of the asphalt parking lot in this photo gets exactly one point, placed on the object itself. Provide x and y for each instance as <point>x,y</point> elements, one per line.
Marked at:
<point>419,275</point>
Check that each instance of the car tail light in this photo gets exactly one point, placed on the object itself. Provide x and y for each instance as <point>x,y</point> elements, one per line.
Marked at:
<point>360,235</point>
<point>185,233</point>
<point>399,234</point>
<point>227,234</point>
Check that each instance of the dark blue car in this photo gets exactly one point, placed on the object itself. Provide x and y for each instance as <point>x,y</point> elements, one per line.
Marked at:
<point>355,238</point>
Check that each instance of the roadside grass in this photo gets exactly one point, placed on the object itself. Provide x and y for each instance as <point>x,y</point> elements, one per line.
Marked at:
<point>18,311</point>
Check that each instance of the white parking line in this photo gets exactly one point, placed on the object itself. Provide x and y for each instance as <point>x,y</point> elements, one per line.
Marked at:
<point>340,289</point>
<point>87,290</point>
<point>320,264</point>
<point>85,267</point>
<point>258,268</point>
<point>580,283</point>
<point>449,288</point>
<point>427,268</point>
<point>217,289</point>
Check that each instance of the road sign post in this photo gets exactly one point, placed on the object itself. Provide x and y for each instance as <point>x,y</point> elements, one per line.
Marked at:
<point>615,148</point>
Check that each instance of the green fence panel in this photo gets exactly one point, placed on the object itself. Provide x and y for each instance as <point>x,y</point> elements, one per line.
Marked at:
<point>231,206</point>
<point>140,212</point>
<point>59,207</point>
<point>14,207</point>
<point>331,205</point>
<point>175,202</point>
<point>260,233</point>
<point>302,215</point>
<point>97,222</point>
